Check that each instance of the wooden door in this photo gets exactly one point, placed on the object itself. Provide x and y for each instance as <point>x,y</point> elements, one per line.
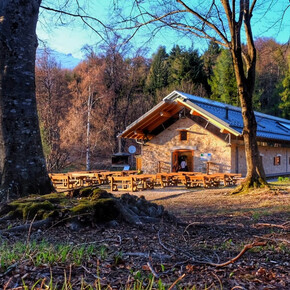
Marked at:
<point>174,161</point>
<point>139,163</point>
<point>190,160</point>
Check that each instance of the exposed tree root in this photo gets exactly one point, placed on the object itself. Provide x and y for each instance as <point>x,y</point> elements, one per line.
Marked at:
<point>34,225</point>
<point>250,184</point>
<point>94,206</point>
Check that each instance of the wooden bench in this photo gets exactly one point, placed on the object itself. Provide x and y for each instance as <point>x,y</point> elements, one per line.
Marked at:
<point>228,178</point>
<point>166,179</point>
<point>129,172</point>
<point>103,177</point>
<point>62,180</point>
<point>123,183</point>
<point>84,178</point>
<point>190,173</point>
<point>202,180</point>
<point>231,178</point>
<point>145,181</point>
<point>195,181</point>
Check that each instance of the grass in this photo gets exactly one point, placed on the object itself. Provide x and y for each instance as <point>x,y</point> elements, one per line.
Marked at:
<point>282,179</point>
<point>44,253</point>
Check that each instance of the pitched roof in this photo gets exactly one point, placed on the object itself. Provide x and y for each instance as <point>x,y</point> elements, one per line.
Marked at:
<point>226,117</point>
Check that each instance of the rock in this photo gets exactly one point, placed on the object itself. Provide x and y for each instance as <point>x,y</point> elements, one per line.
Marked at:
<point>148,219</point>
<point>113,224</point>
<point>74,226</point>
<point>160,210</point>
<point>141,203</point>
<point>135,209</point>
<point>152,211</point>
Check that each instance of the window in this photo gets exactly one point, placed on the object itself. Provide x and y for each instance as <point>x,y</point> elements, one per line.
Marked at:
<point>277,160</point>
<point>285,125</point>
<point>183,135</point>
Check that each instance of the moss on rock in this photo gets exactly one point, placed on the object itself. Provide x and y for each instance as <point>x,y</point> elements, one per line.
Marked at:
<point>87,205</point>
<point>29,209</point>
<point>94,193</point>
<point>101,210</point>
<point>98,193</point>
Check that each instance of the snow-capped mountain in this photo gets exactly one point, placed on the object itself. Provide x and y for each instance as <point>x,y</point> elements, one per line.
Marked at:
<point>65,60</point>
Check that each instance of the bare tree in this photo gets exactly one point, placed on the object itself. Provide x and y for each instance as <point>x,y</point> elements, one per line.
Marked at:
<point>227,23</point>
<point>53,101</point>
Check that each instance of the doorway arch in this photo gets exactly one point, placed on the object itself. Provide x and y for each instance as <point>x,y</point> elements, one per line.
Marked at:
<point>182,154</point>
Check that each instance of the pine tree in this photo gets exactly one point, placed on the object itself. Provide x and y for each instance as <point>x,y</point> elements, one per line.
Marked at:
<point>285,95</point>
<point>158,74</point>
<point>185,66</point>
<point>223,81</point>
<point>210,56</point>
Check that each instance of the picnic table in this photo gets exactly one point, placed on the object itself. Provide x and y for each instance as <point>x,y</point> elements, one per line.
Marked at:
<point>145,181</point>
<point>84,178</point>
<point>120,180</point>
<point>126,183</point>
<point>62,180</point>
<point>227,178</point>
<point>132,182</point>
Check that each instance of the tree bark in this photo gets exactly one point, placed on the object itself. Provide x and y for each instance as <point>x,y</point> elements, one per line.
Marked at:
<point>22,163</point>
<point>245,73</point>
<point>255,171</point>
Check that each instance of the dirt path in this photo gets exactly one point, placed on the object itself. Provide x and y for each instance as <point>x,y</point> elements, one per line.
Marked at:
<point>188,204</point>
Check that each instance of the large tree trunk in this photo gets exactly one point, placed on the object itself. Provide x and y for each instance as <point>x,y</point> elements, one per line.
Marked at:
<point>245,73</point>
<point>22,163</point>
<point>255,171</point>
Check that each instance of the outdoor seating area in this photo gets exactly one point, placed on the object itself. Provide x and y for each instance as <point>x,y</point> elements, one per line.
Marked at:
<point>132,181</point>
<point>85,178</point>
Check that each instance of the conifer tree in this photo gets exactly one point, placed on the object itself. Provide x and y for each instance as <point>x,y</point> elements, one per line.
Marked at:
<point>158,74</point>
<point>285,95</point>
<point>185,66</point>
<point>223,81</point>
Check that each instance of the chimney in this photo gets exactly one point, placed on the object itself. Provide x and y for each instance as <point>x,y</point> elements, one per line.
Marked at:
<point>227,112</point>
<point>119,145</point>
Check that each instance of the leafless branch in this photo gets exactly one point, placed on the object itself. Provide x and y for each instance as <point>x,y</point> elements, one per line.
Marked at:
<point>244,250</point>
<point>220,19</point>
<point>230,16</point>
<point>175,282</point>
<point>252,7</point>
<point>83,17</point>
<point>152,270</point>
<point>204,20</point>
<point>166,20</point>
<point>75,15</point>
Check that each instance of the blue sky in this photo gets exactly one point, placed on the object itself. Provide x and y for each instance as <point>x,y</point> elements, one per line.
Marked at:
<point>73,36</point>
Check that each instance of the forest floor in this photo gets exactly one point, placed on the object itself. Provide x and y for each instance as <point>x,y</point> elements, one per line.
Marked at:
<point>214,227</point>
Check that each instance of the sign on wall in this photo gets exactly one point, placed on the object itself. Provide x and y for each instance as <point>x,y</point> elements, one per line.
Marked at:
<point>205,156</point>
<point>132,149</point>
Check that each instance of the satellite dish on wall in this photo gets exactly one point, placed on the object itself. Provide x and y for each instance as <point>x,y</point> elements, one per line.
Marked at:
<point>132,149</point>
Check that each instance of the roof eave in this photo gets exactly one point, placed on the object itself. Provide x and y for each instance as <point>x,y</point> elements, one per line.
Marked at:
<point>135,124</point>
<point>225,127</point>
